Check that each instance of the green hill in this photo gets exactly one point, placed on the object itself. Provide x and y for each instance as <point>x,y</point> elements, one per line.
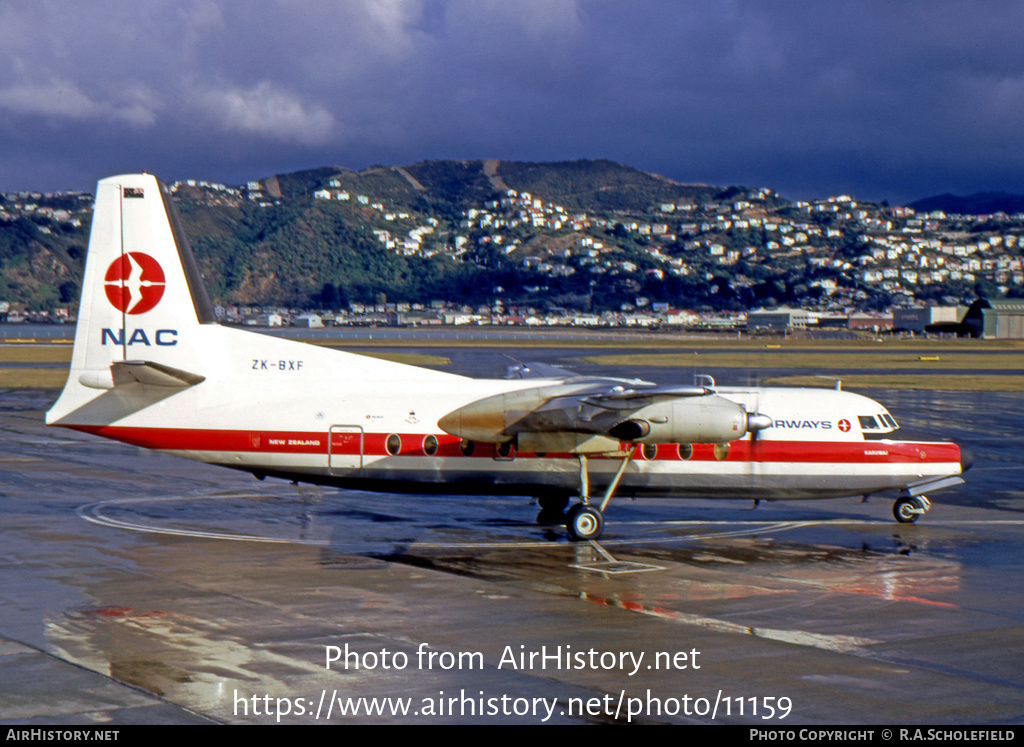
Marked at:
<point>41,261</point>
<point>281,245</point>
<point>599,186</point>
<point>305,252</point>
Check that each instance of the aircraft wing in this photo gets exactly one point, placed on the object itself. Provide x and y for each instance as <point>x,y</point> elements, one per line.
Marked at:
<point>632,411</point>
<point>597,409</point>
<point>619,398</point>
<point>547,371</point>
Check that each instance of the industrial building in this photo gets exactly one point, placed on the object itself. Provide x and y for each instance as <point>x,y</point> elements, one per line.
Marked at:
<point>996,318</point>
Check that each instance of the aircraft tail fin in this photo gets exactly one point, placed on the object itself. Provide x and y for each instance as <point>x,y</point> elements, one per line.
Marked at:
<point>141,291</point>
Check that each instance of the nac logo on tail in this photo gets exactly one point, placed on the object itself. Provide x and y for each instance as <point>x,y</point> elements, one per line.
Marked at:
<point>134,283</point>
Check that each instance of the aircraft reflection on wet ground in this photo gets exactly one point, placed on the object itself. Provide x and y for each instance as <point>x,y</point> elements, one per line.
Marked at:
<point>138,587</point>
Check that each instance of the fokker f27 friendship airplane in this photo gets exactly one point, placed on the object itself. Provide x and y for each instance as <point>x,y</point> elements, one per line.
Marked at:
<point>152,367</point>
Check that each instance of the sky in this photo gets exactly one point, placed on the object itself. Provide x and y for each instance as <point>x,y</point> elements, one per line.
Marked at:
<point>877,99</point>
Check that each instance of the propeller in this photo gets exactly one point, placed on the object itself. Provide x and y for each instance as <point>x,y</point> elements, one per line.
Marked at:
<point>756,422</point>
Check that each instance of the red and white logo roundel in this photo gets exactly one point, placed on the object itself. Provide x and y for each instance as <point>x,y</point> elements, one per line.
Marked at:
<point>844,425</point>
<point>134,283</point>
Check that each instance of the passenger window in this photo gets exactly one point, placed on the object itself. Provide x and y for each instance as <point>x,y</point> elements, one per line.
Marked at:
<point>393,445</point>
<point>429,445</point>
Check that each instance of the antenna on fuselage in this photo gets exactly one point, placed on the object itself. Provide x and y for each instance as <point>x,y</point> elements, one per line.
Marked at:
<point>837,382</point>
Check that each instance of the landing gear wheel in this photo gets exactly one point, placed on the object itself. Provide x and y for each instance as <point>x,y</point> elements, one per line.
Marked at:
<point>584,522</point>
<point>908,510</point>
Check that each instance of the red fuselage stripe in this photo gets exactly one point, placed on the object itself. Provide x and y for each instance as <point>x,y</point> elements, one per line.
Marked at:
<point>413,444</point>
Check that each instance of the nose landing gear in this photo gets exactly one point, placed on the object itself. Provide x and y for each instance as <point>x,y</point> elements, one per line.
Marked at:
<point>909,509</point>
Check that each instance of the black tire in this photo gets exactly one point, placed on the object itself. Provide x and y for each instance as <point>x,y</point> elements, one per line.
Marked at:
<point>553,503</point>
<point>584,523</point>
<point>552,509</point>
<point>906,510</point>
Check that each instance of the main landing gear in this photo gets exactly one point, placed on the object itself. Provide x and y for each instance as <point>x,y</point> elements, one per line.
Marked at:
<point>584,521</point>
<point>908,509</point>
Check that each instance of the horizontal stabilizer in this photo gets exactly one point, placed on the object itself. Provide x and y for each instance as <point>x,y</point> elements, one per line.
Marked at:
<point>152,374</point>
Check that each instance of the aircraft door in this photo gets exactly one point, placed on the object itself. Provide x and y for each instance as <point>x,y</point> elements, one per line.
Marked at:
<point>345,448</point>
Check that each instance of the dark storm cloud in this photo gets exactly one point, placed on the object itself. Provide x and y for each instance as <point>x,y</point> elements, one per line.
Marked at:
<point>882,100</point>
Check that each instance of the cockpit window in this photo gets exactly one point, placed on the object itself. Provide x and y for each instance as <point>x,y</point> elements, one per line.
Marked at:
<point>890,420</point>
<point>868,422</point>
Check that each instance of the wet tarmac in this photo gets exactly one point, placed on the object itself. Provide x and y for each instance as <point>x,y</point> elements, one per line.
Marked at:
<point>141,588</point>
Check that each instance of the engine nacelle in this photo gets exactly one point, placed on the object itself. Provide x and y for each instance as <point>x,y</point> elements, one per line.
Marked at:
<point>492,419</point>
<point>700,420</point>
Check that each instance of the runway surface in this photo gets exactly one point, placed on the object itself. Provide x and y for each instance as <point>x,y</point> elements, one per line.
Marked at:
<point>141,588</point>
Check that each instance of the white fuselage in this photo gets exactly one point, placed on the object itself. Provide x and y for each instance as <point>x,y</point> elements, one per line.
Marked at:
<point>276,407</point>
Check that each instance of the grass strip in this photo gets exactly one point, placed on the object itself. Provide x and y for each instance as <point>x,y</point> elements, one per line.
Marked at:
<point>817,360</point>
<point>947,382</point>
<point>32,378</point>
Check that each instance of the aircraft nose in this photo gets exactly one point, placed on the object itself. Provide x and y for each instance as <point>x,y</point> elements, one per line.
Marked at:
<point>966,459</point>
